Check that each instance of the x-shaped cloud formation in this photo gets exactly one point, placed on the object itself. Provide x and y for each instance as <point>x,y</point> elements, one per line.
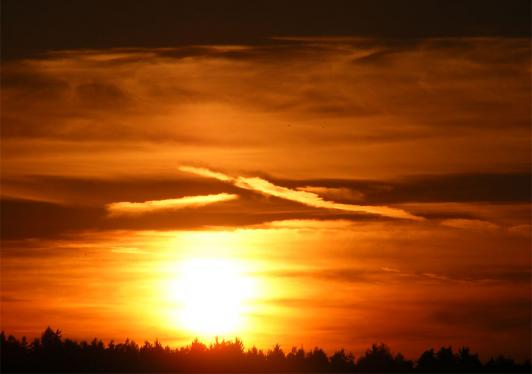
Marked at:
<point>256,184</point>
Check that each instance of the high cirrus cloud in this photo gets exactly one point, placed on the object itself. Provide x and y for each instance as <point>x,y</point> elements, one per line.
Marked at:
<point>131,208</point>
<point>304,197</point>
<point>206,173</point>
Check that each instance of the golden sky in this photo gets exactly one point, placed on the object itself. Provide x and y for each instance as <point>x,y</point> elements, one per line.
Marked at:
<point>345,191</point>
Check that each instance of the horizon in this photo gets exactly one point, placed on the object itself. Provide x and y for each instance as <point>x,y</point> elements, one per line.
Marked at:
<point>53,352</point>
<point>305,174</point>
<point>220,342</point>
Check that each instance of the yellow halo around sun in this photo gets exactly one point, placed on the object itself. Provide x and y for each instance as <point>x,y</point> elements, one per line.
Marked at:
<point>212,295</point>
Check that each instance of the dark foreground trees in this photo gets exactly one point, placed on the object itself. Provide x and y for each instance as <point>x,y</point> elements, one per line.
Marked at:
<point>52,353</point>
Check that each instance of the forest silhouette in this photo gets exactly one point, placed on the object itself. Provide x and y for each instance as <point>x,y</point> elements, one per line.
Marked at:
<point>52,353</point>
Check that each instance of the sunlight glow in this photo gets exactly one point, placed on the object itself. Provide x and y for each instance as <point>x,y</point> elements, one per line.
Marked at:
<point>212,294</point>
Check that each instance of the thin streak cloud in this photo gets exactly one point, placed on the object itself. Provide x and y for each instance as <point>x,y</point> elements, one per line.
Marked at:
<point>304,197</point>
<point>131,208</point>
<point>206,173</point>
<point>472,224</point>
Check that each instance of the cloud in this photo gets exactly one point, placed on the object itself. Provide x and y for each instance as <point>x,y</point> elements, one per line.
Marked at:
<point>486,314</point>
<point>314,200</point>
<point>61,205</point>
<point>521,230</point>
<point>128,250</point>
<point>493,187</point>
<point>129,208</point>
<point>310,224</point>
<point>33,219</point>
<point>155,98</point>
<point>237,23</point>
<point>332,192</point>
<point>205,173</point>
<point>393,275</point>
<point>304,197</point>
<point>473,224</point>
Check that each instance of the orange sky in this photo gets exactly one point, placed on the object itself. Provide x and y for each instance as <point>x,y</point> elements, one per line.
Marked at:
<point>371,190</point>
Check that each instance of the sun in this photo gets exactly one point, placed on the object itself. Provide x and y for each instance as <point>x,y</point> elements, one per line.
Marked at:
<point>212,295</point>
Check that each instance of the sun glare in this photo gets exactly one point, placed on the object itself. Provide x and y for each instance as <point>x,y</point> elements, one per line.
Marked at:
<point>212,295</point>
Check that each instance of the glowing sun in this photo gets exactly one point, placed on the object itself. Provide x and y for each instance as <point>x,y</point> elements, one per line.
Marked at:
<point>212,294</point>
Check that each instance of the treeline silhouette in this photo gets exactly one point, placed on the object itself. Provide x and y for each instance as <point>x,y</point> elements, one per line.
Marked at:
<point>52,353</point>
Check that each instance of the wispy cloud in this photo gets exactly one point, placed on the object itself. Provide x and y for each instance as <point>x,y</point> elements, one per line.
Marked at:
<point>309,224</point>
<point>472,224</point>
<point>128,250</point>
<point>304,197</point>
<point>206,173</point>
<point>131,208</point>
<point>521,230</point>
<point>334,192</point>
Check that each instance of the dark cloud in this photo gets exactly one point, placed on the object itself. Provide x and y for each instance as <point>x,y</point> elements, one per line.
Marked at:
<point>30,27</point>
<point>101,191</point>
<point>102,95</point>
<point>37,219</point>
<point>57,205</point>
<point>12,299</point>
<point>385,51</point>
<point>497,274</point>
<point>487,315</point>
<point>472,187</point>
<point>286,50</point>
<point>27,219</point>
<point>31,81</point>
<point>148,94</point>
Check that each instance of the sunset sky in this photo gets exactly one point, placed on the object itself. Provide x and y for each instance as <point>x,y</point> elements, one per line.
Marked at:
<point>330,174</point>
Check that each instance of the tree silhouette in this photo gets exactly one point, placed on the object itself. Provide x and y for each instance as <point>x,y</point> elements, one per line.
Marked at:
<point>52,353</point>
<point>467,362</point>
<point>379,359</point>
<point>427,362</point>
<point>341,362</point>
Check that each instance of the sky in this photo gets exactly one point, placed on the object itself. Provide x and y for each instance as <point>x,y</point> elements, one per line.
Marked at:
<point>319,174</point>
